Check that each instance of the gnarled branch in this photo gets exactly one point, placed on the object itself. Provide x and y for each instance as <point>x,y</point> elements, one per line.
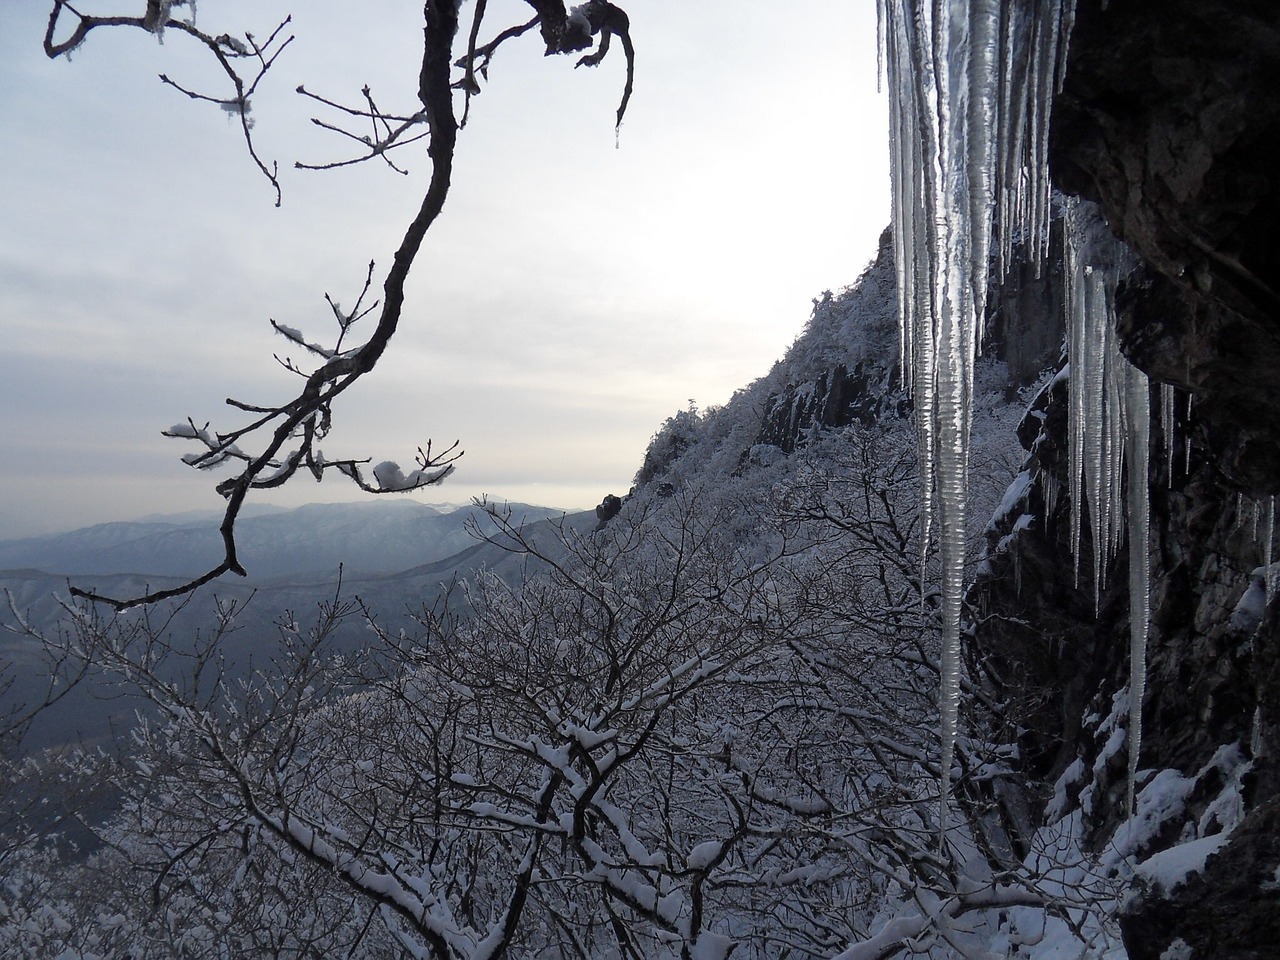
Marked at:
<point>293,430</point>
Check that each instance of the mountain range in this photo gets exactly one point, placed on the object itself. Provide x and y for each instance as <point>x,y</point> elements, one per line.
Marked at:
<point>390,559</point>
<point>382,536</point>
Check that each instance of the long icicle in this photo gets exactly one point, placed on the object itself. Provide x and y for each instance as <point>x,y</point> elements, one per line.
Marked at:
<point>1166,428</point>
<point>1096,425</point>
<point>1109,440</point>
<point>967,128</point>
<point>1138,414</point>
<point>1270,576</point>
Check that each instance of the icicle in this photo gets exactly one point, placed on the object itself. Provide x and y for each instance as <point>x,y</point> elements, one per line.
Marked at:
<point>1266,550</point>
<point>1077,361</point>
<point>1096,431</point>
<point>1051,490</point>
<point>1166,428</point>
<point>1118,375</point>
<point>1109,439</point>
<point>1093,383</point>
<point>967,119</point>
<point>1138,414</point>
<point>880,21</point>
<point>1186,463</point>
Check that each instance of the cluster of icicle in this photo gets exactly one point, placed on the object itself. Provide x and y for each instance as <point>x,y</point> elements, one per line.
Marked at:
<point>970,88</point>
<point>1108,436</point>
<point>1267,537</point>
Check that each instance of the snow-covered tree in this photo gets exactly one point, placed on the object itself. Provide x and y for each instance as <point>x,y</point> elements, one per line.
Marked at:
<point>706,727</point>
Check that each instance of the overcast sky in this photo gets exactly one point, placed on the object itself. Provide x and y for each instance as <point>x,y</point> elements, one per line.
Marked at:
<point>577,290</point>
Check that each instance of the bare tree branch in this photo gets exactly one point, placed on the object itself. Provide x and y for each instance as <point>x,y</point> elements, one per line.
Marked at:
<point>292,430</point>
<point>226,50</point>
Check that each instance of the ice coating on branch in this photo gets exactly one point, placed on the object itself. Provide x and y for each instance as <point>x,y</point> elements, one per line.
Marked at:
<point>160,13</point>
<point>970,88</point>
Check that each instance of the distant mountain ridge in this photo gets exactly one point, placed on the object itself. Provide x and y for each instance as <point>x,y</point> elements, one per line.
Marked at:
<point>365,538</point>
<point>260,601</point>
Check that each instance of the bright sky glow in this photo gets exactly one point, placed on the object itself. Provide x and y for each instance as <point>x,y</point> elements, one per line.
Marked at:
<point>574,294</point>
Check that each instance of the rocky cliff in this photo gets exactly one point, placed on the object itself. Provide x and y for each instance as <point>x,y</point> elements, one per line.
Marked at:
<point>1169,119</point>
<point>844,367</point>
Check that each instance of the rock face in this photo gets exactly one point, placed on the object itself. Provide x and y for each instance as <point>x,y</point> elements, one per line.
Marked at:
<point>1170,120</point>
<point>1230,910</point>
<point>836,398</point>
<point>1025,322</point>
<point>849,371</point>
<point>843,368</point>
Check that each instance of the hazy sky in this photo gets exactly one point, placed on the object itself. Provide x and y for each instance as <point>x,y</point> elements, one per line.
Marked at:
<point>575,293</point>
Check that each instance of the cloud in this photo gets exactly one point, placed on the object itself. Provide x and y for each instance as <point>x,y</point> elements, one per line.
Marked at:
<point>578,289</point>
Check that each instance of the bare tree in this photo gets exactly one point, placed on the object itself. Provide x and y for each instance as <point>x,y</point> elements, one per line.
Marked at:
<point>32,805</point>
<point>703,729</point>
<point>281,439</point>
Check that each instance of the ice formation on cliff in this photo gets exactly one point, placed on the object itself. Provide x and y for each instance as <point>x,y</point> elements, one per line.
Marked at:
<point>970,83</point>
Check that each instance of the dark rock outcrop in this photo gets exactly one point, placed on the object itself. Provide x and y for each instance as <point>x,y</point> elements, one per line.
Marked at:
<point>1230,910</point>
<point>608,508</point>
<point>1170,120</point>
<point>1025,320</point>
<point>848,372</point>
<point>836,398</point>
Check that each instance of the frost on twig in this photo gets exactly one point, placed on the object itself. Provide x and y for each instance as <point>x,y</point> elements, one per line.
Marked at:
<point>295,431</point>
<point>244,62</point>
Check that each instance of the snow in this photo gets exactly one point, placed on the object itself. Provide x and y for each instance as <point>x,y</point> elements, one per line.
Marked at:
<point>1163,799</point>
<point>1013,497</point>
<point>700,857</point>
<point>711,946</point>
<point>1057,806</point>
<point>1179,949</point>
<point>293,333</point>
<point>1252,605</point>
<point>186,430</point>
<point>392,479</point>
<point>1169,869</point>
